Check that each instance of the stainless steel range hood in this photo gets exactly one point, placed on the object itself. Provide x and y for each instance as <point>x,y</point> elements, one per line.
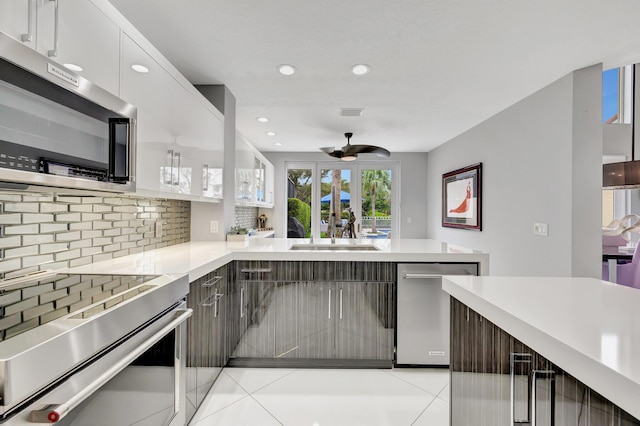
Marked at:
<point>624,175</point>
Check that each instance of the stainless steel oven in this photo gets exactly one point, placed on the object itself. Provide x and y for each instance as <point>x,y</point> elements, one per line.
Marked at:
<point>118,361</point>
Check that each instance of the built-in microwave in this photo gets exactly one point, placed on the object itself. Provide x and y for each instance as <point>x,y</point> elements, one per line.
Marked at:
<point>58,130</point>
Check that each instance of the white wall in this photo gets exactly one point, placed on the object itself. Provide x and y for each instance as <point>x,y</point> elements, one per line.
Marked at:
<point>413,194</point>
<point>541,163</point>
<point>203,213</point>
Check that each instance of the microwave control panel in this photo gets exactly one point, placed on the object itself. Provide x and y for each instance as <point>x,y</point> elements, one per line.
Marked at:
<point>30,159</point>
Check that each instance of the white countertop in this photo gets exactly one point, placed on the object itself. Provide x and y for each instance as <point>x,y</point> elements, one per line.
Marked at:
<point>587,327</point>
<point>200,258</point>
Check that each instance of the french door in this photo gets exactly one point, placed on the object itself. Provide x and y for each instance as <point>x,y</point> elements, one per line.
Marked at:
<point>364,193</point>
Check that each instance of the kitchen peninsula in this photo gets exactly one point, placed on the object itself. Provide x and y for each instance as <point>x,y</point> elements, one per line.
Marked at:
<point>577,336</point>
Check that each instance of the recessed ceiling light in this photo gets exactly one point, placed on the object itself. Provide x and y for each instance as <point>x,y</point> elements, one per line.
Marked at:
<point>73,67</point>
<point>277,144</point>
<point>140,68</point>
<point>271,133</point>
<point>286,69</point>
<point>360,69</point>
<point>263,119</point>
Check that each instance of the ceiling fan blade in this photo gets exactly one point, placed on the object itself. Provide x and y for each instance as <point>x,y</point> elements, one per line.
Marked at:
<point>365,149</point>
<point>336,153</point>
<point>328,149</point>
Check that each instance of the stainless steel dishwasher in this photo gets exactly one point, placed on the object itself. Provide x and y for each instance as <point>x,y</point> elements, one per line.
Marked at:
<point>423,312</point>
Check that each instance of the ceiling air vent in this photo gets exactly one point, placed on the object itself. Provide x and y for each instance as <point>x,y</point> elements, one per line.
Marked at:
<point>351,112</point>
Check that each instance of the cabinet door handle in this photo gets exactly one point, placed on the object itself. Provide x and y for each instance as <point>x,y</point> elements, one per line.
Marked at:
<point>519,360</point>
<point>255,270</point>
<point>242,302</point>
<point>28,37</point>
<point>329,303</point>
<point>177,179</point>
<point>213,281</point>
<point>543,375</point>
<point>56,27</point>
<point>340,303</point>
<point>205,178</point>
<point>168,168</point>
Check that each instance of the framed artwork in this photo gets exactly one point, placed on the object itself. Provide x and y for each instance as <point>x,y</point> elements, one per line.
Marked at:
<point>462,198</point>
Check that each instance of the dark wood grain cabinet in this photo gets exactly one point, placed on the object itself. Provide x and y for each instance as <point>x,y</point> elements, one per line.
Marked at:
<point>209,335</point>
<point>292,313</point>
<point>498,380</point>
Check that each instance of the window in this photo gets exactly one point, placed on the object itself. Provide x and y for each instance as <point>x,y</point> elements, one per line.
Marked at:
<point>365,199</point>
<point>617,84</point>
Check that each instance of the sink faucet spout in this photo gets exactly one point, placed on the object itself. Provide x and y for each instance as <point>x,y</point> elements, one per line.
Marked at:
<point>332,226</point>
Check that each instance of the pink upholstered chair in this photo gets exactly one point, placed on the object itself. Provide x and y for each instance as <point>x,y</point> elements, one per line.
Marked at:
<point>613,242</point>
<point>629,273</point>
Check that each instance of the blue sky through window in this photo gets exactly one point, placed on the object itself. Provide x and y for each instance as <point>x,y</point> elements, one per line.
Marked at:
<point>609,94</point>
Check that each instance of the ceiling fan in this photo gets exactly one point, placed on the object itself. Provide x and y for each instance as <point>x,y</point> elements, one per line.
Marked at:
<point>350,152</point>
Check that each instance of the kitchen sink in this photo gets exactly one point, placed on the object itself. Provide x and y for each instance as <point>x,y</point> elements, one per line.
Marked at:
<point>334,247</point>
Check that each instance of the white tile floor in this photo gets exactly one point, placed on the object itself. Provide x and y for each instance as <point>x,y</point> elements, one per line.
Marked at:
<point>315,397</point>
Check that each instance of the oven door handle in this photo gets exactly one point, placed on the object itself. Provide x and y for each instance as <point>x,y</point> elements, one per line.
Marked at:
<point>55,412</point>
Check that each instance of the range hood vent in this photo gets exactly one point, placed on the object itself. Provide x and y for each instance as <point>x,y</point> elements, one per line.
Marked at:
<point>624,175</point>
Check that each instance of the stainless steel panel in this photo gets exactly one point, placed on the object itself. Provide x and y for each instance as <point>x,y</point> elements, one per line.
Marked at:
<point>37,64</point>
<point>69,340</point>
<point>423,312</point>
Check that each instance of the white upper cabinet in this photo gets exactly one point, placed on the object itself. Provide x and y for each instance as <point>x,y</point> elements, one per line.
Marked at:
<point>18,20</point>
<point>67,32</point>
<point>245,163</point>
<point>149,93</point>
<point>254,176</point>
<point>180,141</point>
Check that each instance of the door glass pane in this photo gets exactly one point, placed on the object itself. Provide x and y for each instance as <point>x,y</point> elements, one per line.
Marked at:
<point>376,203</point>
<point>340,204</point>
<point>299,188</point>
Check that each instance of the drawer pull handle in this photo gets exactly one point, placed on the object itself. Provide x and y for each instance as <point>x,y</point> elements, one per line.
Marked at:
<point>255,270</point>
<point>212,281</point>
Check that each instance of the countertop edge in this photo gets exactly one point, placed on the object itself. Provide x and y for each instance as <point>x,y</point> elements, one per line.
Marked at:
<point>618,388</point>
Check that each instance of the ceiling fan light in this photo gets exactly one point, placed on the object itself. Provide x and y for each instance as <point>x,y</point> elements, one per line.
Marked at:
<point>348,157</point>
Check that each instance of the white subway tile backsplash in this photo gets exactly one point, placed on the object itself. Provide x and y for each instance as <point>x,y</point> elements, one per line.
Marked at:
<point>53,227</point>
<point>36,260</point>
<point>68,236</point>
<point>68,217</point>
<point>60,231</point>
<point>21,306</point>
<point>80,226</point>
<point>86,217</point>
<point>21,207</point>
<point>15,241</point>
<point>67,255</point>
<point>20,252</point>
<point>10,219</point>
<point>53,248</point>
<point>30,240</point>
<point>54,208</point>
<point>37,311</point>
<point>82,208</point>
<point>10,265</point>
<point>37,217</point>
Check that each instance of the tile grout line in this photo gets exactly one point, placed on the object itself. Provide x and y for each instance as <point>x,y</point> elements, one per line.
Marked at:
<point>414,385</point>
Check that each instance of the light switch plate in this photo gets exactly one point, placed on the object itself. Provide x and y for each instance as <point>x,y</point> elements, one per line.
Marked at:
<point>540,229</point>
<point>213,226</point>
<point>158,230</point>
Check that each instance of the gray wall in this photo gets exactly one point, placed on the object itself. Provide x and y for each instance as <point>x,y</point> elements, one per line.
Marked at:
<point>203,213</point>
<point>541,163</point>
<point>413,195</point>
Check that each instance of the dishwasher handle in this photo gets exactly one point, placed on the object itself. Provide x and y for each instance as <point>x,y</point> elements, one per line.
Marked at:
<point>414,276</point>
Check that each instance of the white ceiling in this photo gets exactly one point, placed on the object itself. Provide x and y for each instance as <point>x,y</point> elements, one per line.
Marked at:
<point>438,67</point>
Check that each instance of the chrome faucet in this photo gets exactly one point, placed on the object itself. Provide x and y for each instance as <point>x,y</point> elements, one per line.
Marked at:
<point>332,226</point>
